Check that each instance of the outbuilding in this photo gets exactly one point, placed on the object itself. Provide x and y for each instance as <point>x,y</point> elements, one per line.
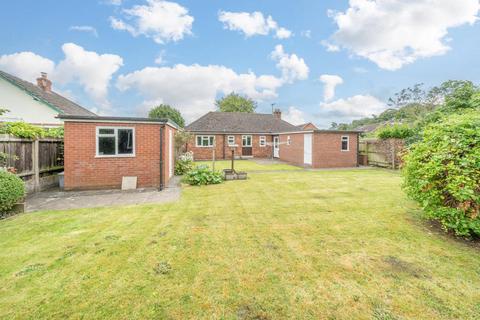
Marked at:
<point>117,152</point>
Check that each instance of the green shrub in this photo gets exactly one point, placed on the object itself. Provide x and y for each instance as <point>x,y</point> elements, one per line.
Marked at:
<point>442,172</point>
<point>54,132</point>
<point>12,189</point>
<point>184,164</point>
<point>396,131</point>
<point>203,175</point>
<point>22,130</point>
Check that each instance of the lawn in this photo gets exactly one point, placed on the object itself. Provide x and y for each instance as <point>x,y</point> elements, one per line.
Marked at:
<point>249,165</point>
<point>282,245</point>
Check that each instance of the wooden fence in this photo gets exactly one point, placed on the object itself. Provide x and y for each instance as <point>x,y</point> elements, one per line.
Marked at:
<point>34,160</point>
<point>381,153</point>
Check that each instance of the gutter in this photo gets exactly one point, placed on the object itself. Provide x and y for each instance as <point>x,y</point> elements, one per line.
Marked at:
<point>161,185</point>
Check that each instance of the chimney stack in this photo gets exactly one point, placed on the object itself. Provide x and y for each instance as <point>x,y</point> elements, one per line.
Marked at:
<point>44,83</point>
<point>277,113</point>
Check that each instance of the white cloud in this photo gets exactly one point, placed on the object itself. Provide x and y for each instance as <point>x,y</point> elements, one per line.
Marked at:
<point>160,59</point>
<point>330,47</point>
<point>294,115</point>
<point>292,67</point>
<point>252,24</point>
<point>306,33</point>
<point>193,88</point>
<point>360,70</point>
<point>114,2</point>
<point>330,83</point>
<point>393,33</point>
<point>26,65</point>
<point>353,107</point>
<point>89,29</point>
<point>91,70</point>
<point>163,21</point>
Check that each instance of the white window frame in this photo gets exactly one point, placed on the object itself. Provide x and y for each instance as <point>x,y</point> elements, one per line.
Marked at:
<point>289,141</point>
<point>115,135</point>
<point>244,137</point>
<point>345,138</point>
<point>262,141</point>
<point>203,137</point>
<point>230,144</point>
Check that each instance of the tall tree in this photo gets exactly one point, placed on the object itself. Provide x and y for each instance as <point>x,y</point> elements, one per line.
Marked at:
<point>236,103</point>
<point>166,111</point>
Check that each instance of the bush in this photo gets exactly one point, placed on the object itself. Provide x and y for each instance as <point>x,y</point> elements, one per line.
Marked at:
<point>184,163</point>
<point>203,175</point>
<point>442,172</point>
<point>22,130</point>
<point>395,132</point>
<point>12,189</point>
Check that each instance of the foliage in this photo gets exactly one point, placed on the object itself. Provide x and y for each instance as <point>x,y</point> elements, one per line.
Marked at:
<point>164,111</point>
<point>395,132</point>
<point>181,139</point>
<point>184,163</point>
<point>12,189</point>
<point>203,175</point>
<point>3,111</point>
<point>442,172</point>
<point>29,131</point>
<point>57,132</point>
<point>418,107</point>
<point>236,103</point>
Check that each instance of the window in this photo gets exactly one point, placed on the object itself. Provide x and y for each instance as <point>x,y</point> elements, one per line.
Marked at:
<point>345,144</point>
<point>289,141</point>
<point>231,140</point>
<point>113,142</point>
<point>263,141</point>
<point>205,141</point>
<point>246,141</point>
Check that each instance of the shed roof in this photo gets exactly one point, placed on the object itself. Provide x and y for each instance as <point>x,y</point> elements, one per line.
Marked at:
<point>95,118</point>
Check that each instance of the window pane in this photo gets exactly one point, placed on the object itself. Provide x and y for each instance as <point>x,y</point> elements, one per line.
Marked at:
<point>125,141</point>
<point>106,131</point>
<point>199,140</point>
<point>106,145</point>
<point>344,144</point>
<point>211,141</point>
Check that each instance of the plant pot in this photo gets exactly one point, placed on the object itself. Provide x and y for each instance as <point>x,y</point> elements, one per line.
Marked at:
<point>241,175</point>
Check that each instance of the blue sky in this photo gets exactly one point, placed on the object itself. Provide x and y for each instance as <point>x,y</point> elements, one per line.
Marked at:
<point>318,61</point>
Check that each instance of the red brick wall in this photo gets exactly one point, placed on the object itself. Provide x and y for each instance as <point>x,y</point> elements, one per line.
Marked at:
<point>83,170</point>
<point>327,153</point>
<point>292,153</point>
<point>223,151</point>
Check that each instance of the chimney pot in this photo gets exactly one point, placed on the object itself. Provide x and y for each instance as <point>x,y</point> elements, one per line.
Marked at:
<point>277,113</point>
<point>44,83</point>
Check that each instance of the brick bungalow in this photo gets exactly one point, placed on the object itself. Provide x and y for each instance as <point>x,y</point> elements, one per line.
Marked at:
<point>255,135</point>
<point>103,152</point>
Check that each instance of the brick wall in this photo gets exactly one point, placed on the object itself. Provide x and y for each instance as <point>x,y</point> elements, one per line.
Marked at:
<point>327,150</point>
<point>292,153</point>
<point>223,151</point>
<point>83,170</point>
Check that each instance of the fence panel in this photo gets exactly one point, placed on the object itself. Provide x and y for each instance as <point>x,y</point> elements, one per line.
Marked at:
<point>382,153</point>
<point>33,160</point>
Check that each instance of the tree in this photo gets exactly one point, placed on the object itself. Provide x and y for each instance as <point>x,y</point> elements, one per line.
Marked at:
<point>166,111</point>
<point>236,103</point>
<point>3,111</point>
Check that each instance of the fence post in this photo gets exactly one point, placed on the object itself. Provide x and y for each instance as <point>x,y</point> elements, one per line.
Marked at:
<point>36,164</point>
<point>366,151</point>
<point>392,145</point>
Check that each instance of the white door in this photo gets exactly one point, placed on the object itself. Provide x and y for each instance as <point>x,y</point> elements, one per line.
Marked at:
<point>307,148</point>
<point>170,158</point>
<point>276,147</point>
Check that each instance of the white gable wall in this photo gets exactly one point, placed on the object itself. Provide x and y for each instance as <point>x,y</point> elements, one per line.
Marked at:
<point>23,107</point>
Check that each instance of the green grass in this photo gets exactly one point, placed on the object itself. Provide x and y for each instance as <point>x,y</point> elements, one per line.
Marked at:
<point>290,245</point>
<point>248,165</point>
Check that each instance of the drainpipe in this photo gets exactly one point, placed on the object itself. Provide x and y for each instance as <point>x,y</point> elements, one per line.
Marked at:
<point>161,186</point>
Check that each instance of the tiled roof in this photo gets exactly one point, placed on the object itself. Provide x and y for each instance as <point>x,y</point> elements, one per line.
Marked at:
<point>240,122</point>
<point>62,104</point>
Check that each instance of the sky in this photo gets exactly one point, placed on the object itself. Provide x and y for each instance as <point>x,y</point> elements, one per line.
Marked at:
<point>318,61</point>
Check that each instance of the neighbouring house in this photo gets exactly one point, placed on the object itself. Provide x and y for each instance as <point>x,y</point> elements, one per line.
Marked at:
<point>117,152</point>
<point>35,104</point>
<point>307,126</point>
<point>255,135</point>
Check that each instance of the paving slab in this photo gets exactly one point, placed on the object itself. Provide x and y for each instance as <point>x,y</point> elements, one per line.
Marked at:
<point>64,200</point>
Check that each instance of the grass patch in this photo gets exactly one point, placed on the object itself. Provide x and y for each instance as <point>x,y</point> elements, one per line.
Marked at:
<point>290,245</point>
<point>249,165</point>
